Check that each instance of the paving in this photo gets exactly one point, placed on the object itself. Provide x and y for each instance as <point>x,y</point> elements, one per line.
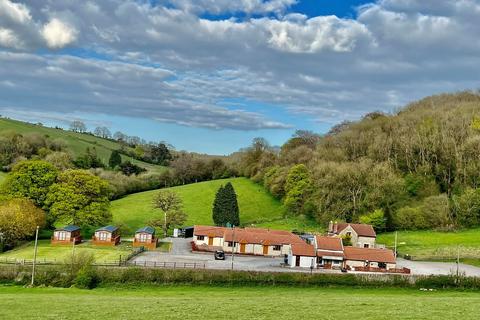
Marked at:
<point>181,254</point>
<point>438,268</point>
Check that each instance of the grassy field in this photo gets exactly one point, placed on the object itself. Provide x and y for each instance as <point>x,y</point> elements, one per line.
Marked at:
<point>62,253</point>
<point>257,206</point>
<point>236,303</point>
<point>2,176</point>
<point>435,245</point>
<point>77,143</point>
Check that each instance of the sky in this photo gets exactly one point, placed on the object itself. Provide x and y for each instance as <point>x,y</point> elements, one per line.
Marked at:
<point>210,75</point>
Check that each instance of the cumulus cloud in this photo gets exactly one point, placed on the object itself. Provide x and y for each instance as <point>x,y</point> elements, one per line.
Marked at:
<point>170,63</point>
<point>58,34</point>
<point>223,6</point>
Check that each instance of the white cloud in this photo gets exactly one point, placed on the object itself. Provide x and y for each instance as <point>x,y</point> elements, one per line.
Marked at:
<point>58,34</point>
<point>172,65</point>
<point>233,6</point>
<point>16,12</point>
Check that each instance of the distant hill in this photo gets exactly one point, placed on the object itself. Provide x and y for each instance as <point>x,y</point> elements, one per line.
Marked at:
<point>257,206</point>
<point>77,143</point>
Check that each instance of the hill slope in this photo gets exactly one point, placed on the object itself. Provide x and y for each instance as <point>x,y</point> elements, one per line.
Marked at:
<point>77,143</point>
<point>257,206</point>
<point>2,176</point>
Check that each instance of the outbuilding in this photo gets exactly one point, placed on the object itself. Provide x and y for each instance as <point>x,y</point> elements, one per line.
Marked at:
<point>145,237</point>
<point>302,255</point>
<point>106,236</point>
<point>67,235</point>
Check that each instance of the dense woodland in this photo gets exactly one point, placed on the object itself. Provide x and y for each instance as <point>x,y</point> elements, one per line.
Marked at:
<point>416,169</point>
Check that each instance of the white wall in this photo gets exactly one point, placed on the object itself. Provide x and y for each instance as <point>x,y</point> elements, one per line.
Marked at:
<point>305,262</point>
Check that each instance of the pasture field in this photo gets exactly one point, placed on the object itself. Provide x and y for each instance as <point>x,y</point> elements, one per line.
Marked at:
<point>63,253</point>
<point>257,206</point>
<point>437,245</point>
<point>77,143</point>
<point>199,302</point>
<point>2,176</point>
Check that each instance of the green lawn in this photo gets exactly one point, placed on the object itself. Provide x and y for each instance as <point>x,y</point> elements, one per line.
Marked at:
<point>77,143</point>
<point>2,176</point>
<point>235,303</point>
<point>62,253</point>
<point>257,206</point>
<point>435,245</point>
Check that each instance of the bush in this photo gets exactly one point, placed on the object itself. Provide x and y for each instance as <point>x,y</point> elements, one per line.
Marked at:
<point>86,278</point>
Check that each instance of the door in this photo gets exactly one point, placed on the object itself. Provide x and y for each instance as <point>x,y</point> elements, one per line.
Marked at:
<point>242,247</point>
<point>297,262</point>
<point>210,241</point>
<point>265,250</point>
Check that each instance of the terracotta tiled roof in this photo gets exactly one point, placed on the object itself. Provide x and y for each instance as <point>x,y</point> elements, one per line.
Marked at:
<point>209,231</point>
<point>303,249</point>
<point>329,243</point>
<point>364,230</point>
<point>322,253</point>
<point>265,237</point>
<point>369,254</point>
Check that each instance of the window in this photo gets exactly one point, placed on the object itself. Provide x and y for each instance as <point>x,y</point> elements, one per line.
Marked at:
<point>102,236</point>
<point>230,243</point>
<point>382,265</point>
<point>144,237</point>
<point>366,245</point>
<point>200,238</point>
<point>336,262</point>
<point>277,248</point>
<point>349,234</point>
<point>62,235</point>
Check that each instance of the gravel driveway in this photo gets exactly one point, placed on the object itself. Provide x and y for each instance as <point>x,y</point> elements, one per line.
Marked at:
<point>181,253</point>
<point>438,268</point>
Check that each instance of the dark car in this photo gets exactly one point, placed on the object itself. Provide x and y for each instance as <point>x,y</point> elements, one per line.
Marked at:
<point>219,255</point>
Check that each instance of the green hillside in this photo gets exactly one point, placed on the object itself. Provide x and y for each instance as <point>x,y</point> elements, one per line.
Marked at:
<point>2,176</point>
<point>257,206</point>
<point>436,245</point>
<point>77,143</point>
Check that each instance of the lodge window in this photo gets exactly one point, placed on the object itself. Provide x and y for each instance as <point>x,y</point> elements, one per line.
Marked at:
<point>366,245</point>
<point>200,238</point>
<point>382,265</point>
<point>144,237</point>
<point>277,248</point>
<point>62,236</point>
<point>102,236</point>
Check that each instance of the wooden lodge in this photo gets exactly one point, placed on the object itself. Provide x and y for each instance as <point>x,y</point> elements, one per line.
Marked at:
<point>145,237</point>
<point>66,236</point>
<point>106,236</point>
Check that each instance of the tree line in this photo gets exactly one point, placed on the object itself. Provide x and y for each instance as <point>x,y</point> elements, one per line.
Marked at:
<point>418,168</point>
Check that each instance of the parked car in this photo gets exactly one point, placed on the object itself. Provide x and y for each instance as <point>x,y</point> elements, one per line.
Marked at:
<point>219,255</point>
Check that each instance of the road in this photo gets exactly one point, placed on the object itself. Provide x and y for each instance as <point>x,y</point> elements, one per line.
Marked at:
<point>181,253</point>
<point>438,268</point>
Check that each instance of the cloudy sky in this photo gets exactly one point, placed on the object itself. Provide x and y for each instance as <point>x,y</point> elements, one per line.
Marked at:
<point>209,75</point>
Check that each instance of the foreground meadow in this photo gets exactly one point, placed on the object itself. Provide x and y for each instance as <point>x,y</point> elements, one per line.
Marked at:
<point>236,303</point>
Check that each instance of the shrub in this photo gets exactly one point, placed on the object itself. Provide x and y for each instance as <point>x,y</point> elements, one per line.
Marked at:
<point>86,278</point>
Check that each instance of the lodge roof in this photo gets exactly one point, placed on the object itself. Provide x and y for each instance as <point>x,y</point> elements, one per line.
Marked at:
<point>303,249</point>
<point>329,243</point>
<point>363,230</point>
<point>264,237</point>
<point>209,231</point>
<point>108,228</point>
<point>369,254</point>
<point>148,230</point>
<point>69,228</point>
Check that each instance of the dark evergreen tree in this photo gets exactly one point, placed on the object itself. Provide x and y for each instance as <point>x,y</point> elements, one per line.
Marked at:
<point>218,210</point>
<point>115,159</point>
<point>225,207</point>
<point>232,210</point>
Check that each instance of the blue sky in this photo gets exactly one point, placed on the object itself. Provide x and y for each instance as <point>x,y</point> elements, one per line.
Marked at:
<point>209,76</point>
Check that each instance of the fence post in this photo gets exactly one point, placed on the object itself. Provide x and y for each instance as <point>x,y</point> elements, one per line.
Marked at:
<point>174,265</point>
<point>155,264</point>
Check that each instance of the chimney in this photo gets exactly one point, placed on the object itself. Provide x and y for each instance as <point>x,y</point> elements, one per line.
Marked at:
<point>330,227</point>
<point>335,228</point>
